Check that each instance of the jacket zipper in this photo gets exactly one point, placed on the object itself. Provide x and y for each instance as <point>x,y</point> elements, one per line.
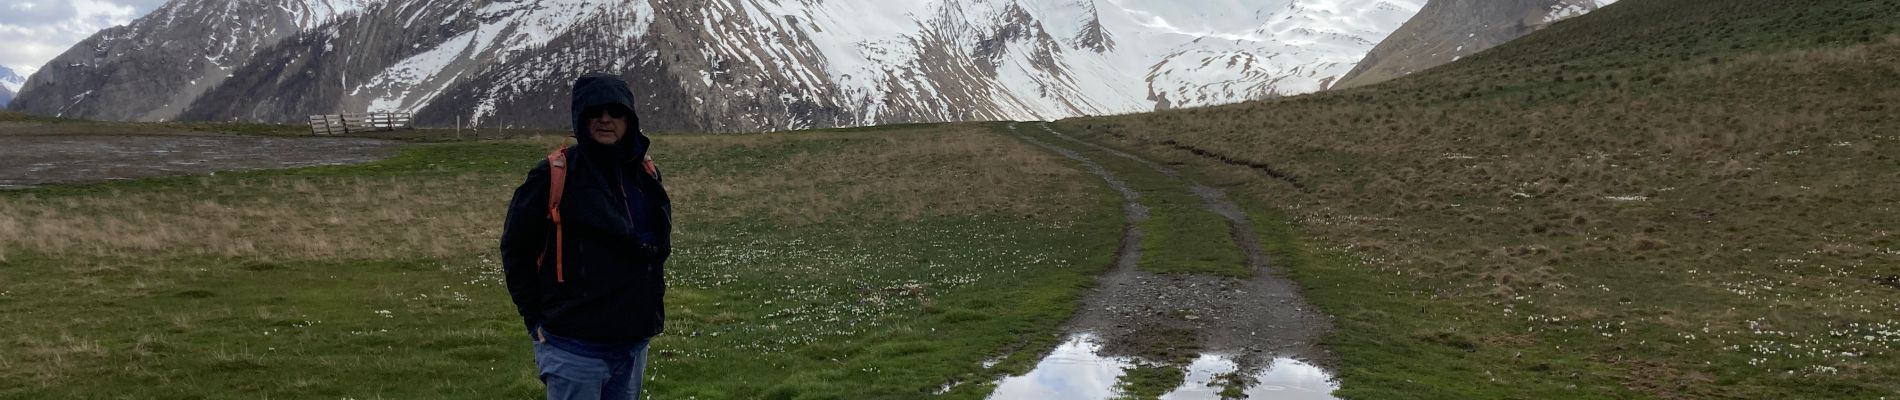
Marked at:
<point>627,204</point>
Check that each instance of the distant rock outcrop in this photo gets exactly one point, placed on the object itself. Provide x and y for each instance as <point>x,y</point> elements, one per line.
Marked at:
<point>1447,30</point>
<point>154,67</point>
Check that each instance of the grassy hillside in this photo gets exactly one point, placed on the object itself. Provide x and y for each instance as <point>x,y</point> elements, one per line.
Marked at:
<point>1662,199</point>
<point>848,264</point>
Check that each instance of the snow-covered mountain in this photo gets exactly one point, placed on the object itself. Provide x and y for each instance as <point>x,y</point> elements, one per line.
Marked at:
<point>10,79</point>
<point>10,82</point>
<point>708,64</point>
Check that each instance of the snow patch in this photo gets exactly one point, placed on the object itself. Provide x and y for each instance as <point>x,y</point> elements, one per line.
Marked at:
<point>310,14</point>
<point>1567,10</point>
<point>13,81</point>
<point>402,79</point>
<point>877,58</point>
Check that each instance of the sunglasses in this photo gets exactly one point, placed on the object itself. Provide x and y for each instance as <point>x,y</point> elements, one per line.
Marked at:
<point>611,111</point>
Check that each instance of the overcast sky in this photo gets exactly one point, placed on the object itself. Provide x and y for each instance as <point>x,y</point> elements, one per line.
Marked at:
<point>34,31</point>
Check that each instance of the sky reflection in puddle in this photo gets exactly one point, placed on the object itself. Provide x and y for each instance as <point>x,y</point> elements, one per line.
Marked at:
<point>1076,370</point>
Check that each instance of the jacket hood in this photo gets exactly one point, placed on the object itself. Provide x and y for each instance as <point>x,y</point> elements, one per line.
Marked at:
<point>599,89</point>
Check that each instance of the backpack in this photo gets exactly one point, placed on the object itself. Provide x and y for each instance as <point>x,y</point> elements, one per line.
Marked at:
<point>557,184</point>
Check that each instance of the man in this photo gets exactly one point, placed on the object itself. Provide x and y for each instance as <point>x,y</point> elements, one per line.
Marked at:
<point>588,276</point>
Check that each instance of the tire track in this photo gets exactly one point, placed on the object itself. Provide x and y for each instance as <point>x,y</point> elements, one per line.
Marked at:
<point>1213,199</point>
<point>1128,255</point>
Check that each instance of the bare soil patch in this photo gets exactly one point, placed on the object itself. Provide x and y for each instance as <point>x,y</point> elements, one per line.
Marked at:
<point>34,160</point>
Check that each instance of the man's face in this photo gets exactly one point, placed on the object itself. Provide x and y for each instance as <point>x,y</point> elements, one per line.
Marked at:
<point>606,124</point>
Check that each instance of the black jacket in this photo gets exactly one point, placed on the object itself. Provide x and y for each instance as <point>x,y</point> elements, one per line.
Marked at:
<point>618,224</point>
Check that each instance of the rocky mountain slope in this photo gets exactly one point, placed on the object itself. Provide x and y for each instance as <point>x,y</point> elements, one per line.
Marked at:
<point>152,68</point>
<point>708,65</point>
<point>1447,30</point>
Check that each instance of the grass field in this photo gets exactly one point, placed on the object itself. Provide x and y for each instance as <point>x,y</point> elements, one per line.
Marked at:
<point>843,264</point>
<point>1662,199</point>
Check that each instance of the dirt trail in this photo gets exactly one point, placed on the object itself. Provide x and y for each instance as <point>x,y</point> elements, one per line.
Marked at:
<point>1264,314</point>
<point>1141,314</point>
<point>1129,254</point>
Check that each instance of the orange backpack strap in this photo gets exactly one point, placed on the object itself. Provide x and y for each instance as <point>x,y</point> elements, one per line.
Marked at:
<point>557,185</point>
<point>653,170</point>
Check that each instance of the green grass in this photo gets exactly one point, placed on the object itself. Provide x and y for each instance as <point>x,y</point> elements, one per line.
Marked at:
<point>15,116</point>
<point>1468,229</point>
<point>380,280</point>
<point>1424,351</point>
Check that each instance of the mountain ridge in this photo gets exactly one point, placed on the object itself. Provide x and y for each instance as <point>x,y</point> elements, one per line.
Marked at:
<point>710,65</point>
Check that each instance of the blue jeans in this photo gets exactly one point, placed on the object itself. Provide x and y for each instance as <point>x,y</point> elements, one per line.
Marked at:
<point>576,370</point>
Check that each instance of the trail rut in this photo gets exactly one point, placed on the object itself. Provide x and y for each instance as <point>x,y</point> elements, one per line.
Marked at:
<point>1134,313</point>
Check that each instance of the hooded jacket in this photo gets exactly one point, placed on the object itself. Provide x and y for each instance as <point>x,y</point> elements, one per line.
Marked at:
<point>618,225</point>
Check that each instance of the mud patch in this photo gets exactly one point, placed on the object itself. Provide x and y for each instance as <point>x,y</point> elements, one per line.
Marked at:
<point>28,161</point>
<point>1231,336</point>
<point>1263,168</point>
<point>1892,281</point>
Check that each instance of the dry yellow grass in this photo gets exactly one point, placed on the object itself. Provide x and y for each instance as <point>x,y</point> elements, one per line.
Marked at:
<point>282,218</point>
<point>961,171</point>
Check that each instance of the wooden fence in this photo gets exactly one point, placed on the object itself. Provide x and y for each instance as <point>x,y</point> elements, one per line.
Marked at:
<point>335,124</point>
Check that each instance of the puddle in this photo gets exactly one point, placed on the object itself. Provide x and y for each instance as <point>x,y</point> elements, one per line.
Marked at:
<point>1076,370</point>
<point>27,161</point>
<point>1285,378</point>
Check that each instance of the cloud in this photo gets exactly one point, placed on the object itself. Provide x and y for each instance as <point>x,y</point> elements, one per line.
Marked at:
<point>32,32</point>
